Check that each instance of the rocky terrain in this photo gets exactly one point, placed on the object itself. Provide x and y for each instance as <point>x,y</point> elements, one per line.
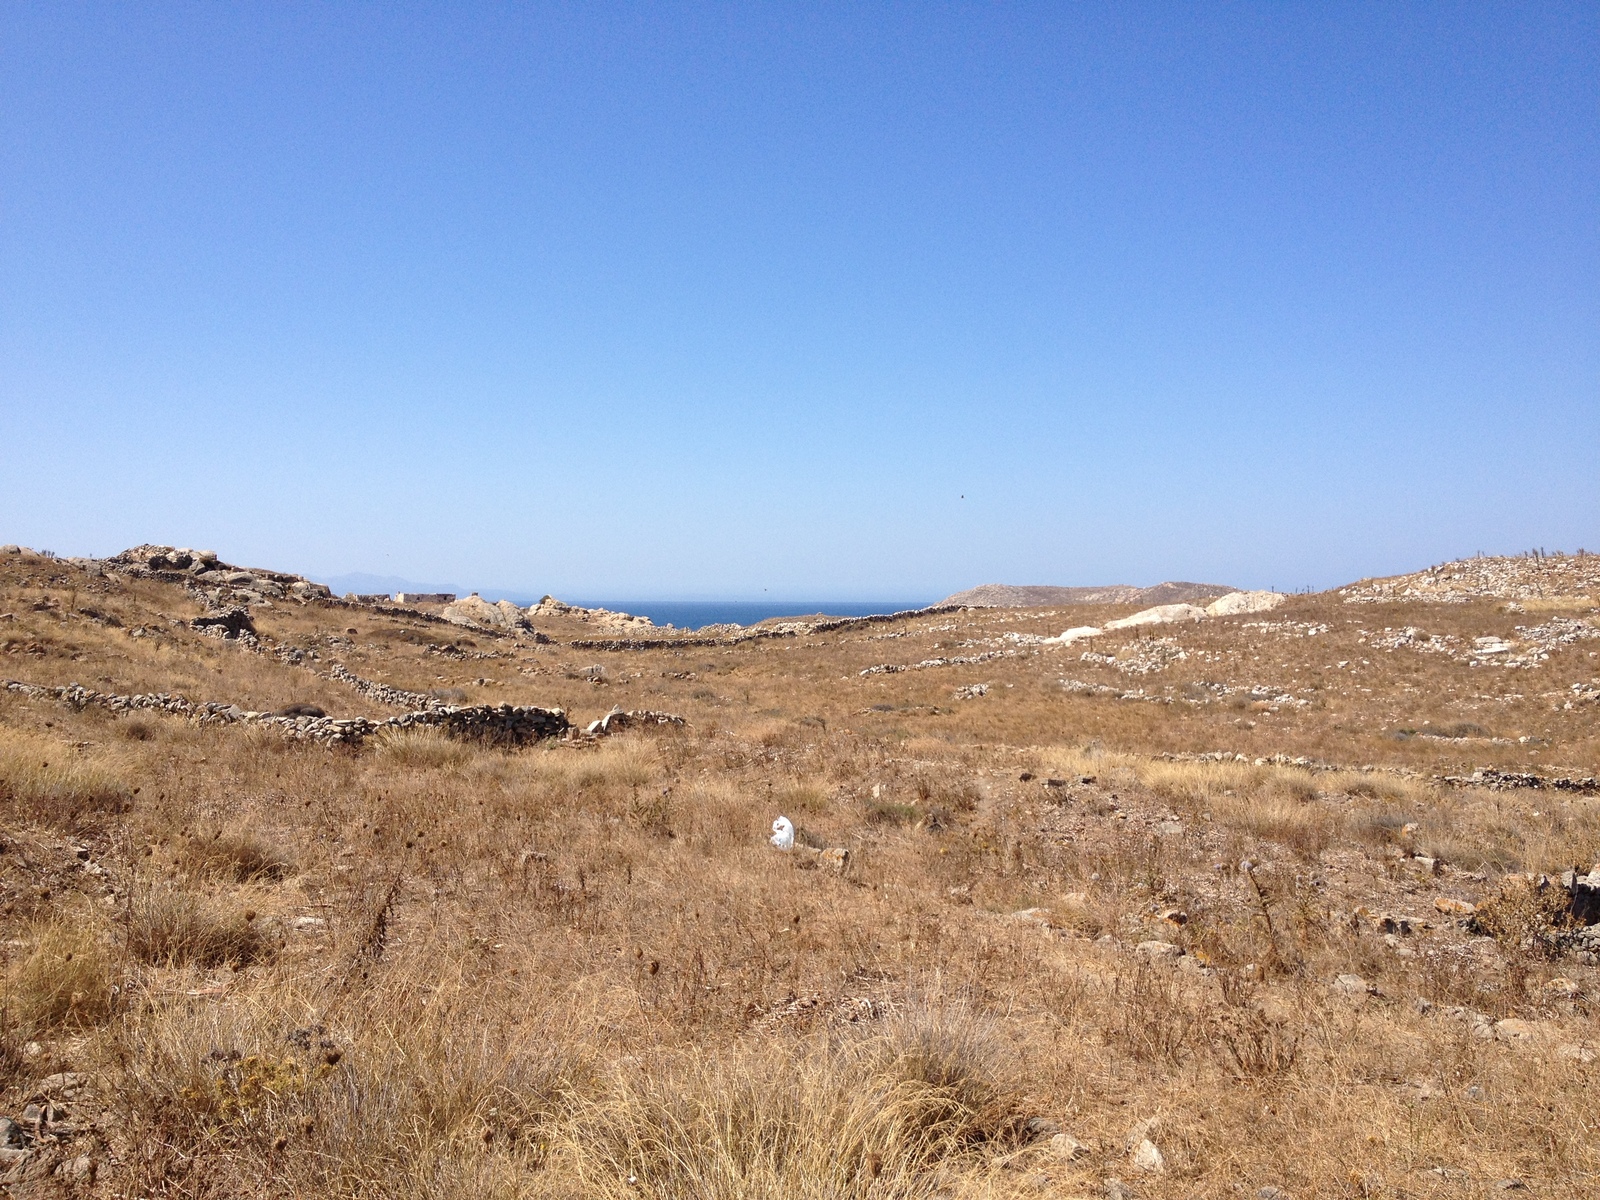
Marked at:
<point>1217,895</point>
<point>1005,595</point>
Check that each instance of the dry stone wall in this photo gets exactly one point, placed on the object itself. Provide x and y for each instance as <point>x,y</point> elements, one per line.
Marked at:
<point>502,724</point>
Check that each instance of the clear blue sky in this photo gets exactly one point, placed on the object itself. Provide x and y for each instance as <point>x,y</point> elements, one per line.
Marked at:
<point>848,301</point>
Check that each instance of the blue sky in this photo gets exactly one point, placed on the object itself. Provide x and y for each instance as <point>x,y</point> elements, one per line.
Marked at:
<point>850,301</point>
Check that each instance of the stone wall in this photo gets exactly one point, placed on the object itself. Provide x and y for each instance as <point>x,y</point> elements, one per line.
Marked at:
<point>502,724</point>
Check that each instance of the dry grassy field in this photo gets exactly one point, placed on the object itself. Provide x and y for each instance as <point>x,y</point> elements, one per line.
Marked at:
<point>1269,901</point>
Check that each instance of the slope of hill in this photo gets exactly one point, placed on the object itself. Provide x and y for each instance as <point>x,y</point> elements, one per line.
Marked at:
<point>506,921</point>
<point>1536,577</point>
<point>1006,595</point>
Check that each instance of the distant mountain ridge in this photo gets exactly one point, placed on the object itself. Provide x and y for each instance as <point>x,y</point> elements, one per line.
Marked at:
<point>1008,595</point>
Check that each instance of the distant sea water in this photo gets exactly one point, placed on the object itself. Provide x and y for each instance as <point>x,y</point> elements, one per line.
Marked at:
<point>697,614</point>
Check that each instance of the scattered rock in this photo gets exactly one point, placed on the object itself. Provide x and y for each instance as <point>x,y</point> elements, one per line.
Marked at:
<point>1450,906</point>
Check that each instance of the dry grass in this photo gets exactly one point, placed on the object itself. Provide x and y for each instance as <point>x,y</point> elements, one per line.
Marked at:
<point>67,976</point>
<point>43,780</point>
<point>864,1115</point>
<point>431,969</point>
<point>168,926</point>
<point>239,855</point>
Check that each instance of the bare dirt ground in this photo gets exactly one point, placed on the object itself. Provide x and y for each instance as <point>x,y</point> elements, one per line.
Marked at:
<point>1284,904</point>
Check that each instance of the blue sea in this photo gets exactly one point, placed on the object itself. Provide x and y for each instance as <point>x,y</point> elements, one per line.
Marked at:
<point>696,614</point>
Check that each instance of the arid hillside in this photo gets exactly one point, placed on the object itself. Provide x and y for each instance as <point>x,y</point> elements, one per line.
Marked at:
<point>313,898</point>
<point>1005,595</point>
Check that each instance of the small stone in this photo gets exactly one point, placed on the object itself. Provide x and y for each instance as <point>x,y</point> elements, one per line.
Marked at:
<point>309,925</point>
<point>80,1169</point>
<point>64,1083</point>
<point>1148,1157</point>
<point>1450,906</point>
<point>1041,1127</point>
<point>1272,1193</point>
<point>1509,1185</point>
<point>1352,985</point>
<point>11,1156</point>
<point>1515,1029</point>
<point>11,1134</point>
<point>1067,1148</point>
<point>1115,1189</point>
<point>1155,950</point>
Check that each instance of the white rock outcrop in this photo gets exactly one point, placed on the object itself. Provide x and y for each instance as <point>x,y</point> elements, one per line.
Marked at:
<point>476,611</point>
<point>1244,602</point>
<point>1161,614</point>
<point>1076,634</point>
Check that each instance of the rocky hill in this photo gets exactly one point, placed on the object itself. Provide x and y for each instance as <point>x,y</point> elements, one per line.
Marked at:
<point>1006,595</point>
<point>1544,577</point>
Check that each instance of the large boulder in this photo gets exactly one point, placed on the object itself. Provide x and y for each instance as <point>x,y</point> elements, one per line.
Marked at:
<point>476,612</point>
<point>1244,602</point>
<point>1162,614</point>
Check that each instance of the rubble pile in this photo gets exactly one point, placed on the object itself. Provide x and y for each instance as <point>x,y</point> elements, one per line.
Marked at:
<point>617,720</point>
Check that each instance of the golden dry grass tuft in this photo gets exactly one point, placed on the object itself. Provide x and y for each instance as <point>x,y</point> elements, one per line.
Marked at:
<point>68,976</point>
<point>43,780</point>
<point>866,1114</point>
<point>166,925</point>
